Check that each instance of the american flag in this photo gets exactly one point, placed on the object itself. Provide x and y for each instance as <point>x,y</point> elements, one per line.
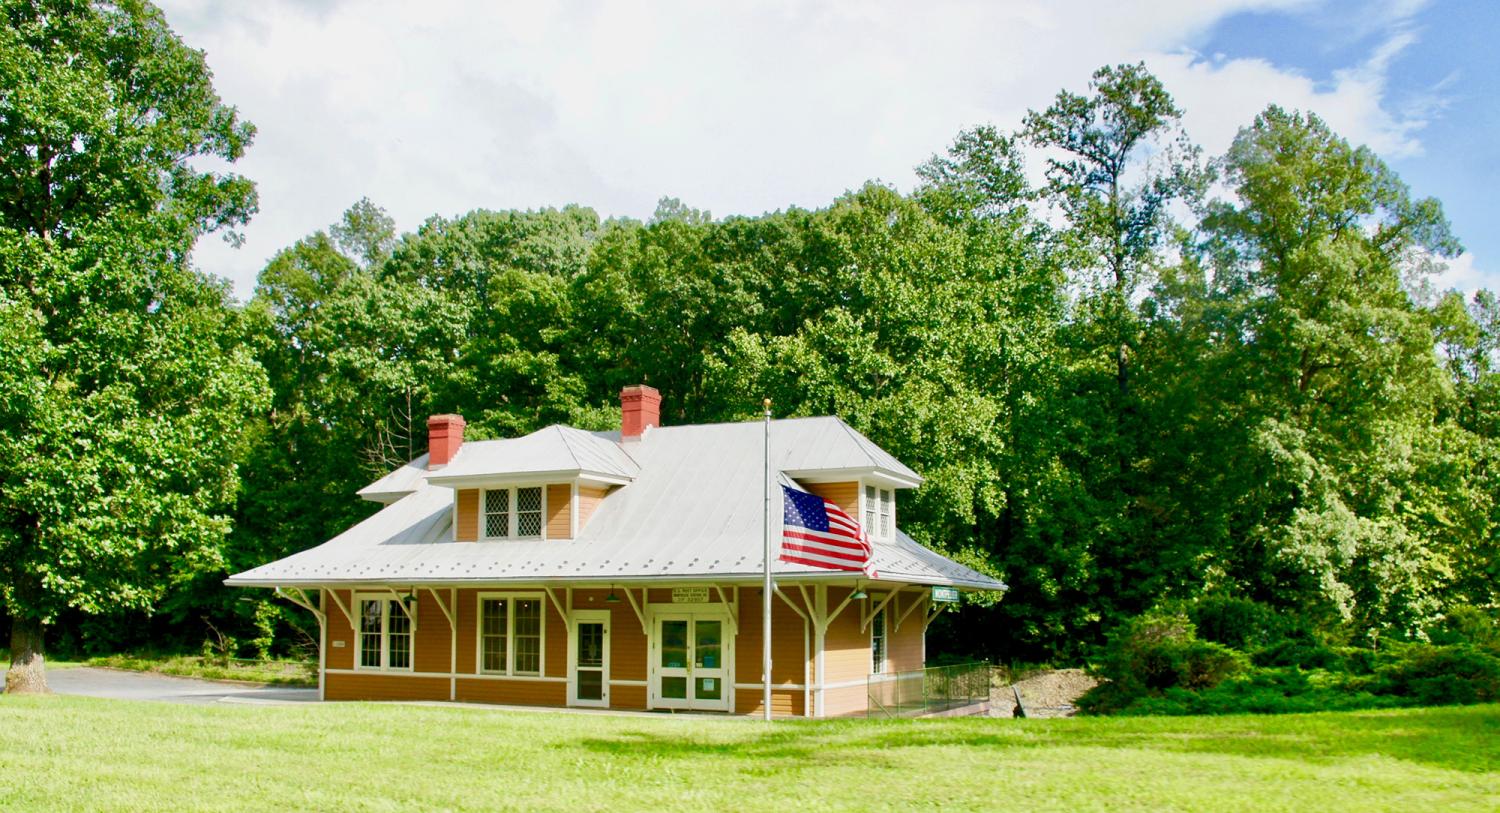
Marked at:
<point>816,532</point>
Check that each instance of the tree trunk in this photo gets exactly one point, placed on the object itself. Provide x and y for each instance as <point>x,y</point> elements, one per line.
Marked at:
<point>27,674</point>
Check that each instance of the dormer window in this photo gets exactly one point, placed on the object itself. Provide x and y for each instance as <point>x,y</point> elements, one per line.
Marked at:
<point>879,512</point>
<point>513,513</point>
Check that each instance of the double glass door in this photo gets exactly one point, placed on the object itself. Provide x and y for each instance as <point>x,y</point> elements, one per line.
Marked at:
<point>691,667</point>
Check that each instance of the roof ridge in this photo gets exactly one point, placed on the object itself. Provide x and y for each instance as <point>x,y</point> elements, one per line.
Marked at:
<point>856,436</point>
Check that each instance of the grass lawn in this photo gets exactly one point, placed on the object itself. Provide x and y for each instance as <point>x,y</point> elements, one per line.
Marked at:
<point>73,753</point>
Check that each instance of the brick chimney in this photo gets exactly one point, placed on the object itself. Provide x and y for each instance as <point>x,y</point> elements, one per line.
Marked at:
<point>445,433</point>
<point>640,409</point>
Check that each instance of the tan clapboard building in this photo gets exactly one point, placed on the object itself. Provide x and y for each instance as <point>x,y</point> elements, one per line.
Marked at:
<point>618,570</point>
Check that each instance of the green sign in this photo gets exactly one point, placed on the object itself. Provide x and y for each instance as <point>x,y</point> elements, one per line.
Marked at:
<point>944,595</point>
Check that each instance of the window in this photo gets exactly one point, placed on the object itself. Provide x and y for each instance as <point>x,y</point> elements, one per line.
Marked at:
<point>880,512</point>
<point>510,635</point>
<point>384,635</point>
<point>877,641</point>
<point>513,513</point>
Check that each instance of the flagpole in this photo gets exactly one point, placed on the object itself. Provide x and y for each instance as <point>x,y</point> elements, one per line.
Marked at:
<point>767,588</point>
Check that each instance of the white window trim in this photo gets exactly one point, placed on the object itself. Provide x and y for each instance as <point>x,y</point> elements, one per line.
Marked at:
<point>885,626</point>
<point>872,528</point>
<point>510,634</point>
<point>511,514</point>
<point>385,633</point>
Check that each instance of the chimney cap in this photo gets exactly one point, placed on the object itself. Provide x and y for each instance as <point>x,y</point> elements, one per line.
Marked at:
<point>448,418</point>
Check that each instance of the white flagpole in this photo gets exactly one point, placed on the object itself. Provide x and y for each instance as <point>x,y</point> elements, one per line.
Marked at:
<point>767,589</point>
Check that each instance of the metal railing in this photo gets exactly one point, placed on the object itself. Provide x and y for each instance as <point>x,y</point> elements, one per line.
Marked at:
<point>957,690</point>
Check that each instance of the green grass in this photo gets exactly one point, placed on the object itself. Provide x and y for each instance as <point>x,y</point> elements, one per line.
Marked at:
<point>120,755</point>
<point>280,673</point>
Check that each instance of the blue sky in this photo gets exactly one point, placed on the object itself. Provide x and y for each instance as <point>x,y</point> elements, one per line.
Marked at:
<point>1444,79</point>
<point>444,106</point>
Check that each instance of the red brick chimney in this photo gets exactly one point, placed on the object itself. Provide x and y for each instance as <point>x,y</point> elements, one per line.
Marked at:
<point>445,433</point>
<point>640,409</point>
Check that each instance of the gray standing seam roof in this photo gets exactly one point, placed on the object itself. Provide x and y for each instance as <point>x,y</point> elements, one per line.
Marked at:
<point>693,509</point>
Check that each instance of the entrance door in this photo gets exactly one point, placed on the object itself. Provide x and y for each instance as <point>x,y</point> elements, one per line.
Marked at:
<point>588,659</point>
<point>691,667</point>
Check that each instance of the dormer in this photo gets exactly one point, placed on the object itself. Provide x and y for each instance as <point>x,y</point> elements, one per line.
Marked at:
<point>847,469</point>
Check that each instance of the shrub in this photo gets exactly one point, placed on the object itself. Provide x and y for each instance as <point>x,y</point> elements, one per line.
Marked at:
<point>1154,652</point>
<point>1440,675</point>
<point>1238,623</point>
<point>1467,625</point>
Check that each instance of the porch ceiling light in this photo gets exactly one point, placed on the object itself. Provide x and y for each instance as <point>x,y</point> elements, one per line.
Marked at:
<point>859,595</point>
<point>611,598</point>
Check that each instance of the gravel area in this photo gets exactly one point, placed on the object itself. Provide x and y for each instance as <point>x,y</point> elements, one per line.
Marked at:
<point>1050,694</point>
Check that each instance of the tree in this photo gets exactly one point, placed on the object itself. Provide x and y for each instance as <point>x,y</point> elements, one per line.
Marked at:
<point>126,382</point>
<point>1358,492</point>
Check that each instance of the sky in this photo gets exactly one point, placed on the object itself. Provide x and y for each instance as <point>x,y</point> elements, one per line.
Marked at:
<point>439,108</point>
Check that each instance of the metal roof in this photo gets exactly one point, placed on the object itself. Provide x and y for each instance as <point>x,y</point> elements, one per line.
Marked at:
<point>694,510</point>
<point>554,450</point>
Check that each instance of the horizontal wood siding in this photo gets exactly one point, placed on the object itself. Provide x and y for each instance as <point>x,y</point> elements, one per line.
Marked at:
<point>339,629</point>
<point>468,630</point>
<point>783,703</point>
<point>560,511</point>
<point>466,523</point>
<point>846,648</point>
<point>384,686</point>
<point>627,641</point>
<point>516,692</point>
<point>627,697</point>
<point>844,495</point>
<point>848,701</point>
<point>786,644</point>
<point>434,637</point>
<point>589,498</point>
<point>907,653</point>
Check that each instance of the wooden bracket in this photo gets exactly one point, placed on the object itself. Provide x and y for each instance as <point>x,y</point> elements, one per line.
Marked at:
<point>638,614</point>
<point>301,600</point>
<point>344,608</point>
<point>734,622</point>
<point>916,601</point>
<point>405,610</point>
<point>447,611</point>
<point>868,617</point>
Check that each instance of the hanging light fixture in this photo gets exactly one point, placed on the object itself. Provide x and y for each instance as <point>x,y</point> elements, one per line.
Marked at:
<point>858,594</point>
<point>611,598</point>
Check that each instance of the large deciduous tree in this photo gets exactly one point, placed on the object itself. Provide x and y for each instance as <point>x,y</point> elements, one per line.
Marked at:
<point>124,383</point>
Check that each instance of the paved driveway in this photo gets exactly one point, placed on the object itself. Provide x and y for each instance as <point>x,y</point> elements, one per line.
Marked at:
<point>119,685</point>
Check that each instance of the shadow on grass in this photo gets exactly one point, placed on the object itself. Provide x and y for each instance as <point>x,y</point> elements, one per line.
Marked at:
<point>1457,738</point>
<point>1460,739</point>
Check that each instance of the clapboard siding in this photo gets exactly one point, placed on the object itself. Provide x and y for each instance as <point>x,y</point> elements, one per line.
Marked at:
<point>466,524</point>
<point>589,498</point>
<point>560,511</point>
<point>512,692</point>
<point>844,495</point>
<point>384,686</point>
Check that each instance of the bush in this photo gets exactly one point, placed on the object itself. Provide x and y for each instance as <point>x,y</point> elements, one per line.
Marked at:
<point>1467,625</point>
<point>1155,652</point>
<point>1238,623</point>
<point>1440,675</point>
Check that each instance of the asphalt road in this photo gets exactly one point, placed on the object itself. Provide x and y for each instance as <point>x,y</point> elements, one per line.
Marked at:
<point>118,685</point>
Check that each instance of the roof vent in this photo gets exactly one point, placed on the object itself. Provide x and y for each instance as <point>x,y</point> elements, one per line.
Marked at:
<point>445,433</point>
<point>640,409</point>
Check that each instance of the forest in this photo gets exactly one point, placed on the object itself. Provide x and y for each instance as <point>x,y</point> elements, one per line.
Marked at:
<point>1143,382</point>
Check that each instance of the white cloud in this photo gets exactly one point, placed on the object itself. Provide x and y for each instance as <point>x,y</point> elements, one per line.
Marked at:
<point>439,108</point>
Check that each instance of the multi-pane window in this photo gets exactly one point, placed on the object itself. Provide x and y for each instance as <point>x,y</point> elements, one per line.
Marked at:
<point>497,513</point>
<point>529,511</point>
<point>513,513</point>
<point>880,512</point>
<point>493,632</point>
<point>384,635</point>
<point>877,642</point>
<point>887,509</point>
<point>510,635</point>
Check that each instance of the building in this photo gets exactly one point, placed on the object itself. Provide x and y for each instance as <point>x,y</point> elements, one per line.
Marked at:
<point>618,570</point>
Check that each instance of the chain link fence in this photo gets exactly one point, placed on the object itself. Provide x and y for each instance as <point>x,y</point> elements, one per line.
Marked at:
<point>958,690</point>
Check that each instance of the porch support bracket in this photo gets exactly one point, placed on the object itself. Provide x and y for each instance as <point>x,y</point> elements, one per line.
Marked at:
<point>637,607</point>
